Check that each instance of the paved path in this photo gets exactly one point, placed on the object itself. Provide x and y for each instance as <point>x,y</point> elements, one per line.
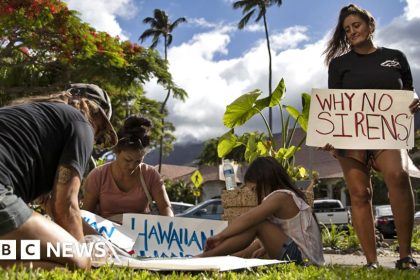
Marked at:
<point>354,260</point>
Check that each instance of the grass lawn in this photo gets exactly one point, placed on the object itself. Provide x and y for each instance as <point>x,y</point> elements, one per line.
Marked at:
<point>283,271</point>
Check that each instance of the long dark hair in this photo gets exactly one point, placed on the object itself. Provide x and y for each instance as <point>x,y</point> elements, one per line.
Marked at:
<point>269,175</point>
<point>134,134</point>
<point>88,108</point>
<point>338,44</point>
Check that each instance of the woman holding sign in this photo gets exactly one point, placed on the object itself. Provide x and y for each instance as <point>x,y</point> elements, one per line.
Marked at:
<point>356,63</point>
<point>127,185</point>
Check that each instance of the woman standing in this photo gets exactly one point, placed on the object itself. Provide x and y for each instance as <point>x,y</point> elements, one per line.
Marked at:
<point>127,185</point>
<point>356,63</point>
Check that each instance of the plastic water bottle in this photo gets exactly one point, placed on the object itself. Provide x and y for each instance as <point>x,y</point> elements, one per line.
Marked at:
<point>229,174</point>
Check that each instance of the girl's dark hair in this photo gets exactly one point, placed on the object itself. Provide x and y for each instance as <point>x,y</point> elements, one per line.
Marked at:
<point>269,175</point>
<point>338,44</point>
<point>134,134</point>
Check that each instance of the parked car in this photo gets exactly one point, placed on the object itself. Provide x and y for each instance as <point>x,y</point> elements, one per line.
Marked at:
<point>384,220</point>
<point>331,212</point>
<point>179,207</point>
<point>417,219</point>
<point>211,209</point>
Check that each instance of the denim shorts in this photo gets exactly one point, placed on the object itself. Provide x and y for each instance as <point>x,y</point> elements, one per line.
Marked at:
<point>13,210</point>
<point>290,252</point>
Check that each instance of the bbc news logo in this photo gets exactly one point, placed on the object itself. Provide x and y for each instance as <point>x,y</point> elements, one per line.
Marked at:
<point>31,249</point>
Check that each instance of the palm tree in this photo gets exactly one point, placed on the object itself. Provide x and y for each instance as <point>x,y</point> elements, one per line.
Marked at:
<point>161,26</point>
<point>249,8</point>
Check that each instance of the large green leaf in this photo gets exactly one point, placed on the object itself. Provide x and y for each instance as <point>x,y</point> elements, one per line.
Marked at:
<point>241,110</point>
<point>227,142</point>
<point>306,103</point>
<point>292,111</point>
<point>262,103</point>
<point>251,148</point>
<point>278,94</point>
<point>301,117</point>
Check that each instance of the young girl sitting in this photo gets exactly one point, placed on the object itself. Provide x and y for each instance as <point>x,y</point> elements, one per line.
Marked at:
<point>283,222</point>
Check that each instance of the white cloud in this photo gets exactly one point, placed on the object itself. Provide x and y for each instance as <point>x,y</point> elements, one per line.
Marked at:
<point>254,27</point>
<point>102,15</point>
<point>290,38</point>
<point>201,22</point>
<point>412,10</point>
<point>212,84</point>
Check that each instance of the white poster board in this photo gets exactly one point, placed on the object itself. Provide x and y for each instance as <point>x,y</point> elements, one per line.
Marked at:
<point>221,263</point>
<point>361,119</point>
<point>161,236</point>
<point>117,234</point>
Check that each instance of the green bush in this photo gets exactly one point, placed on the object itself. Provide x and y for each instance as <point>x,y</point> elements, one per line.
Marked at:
<point>333,237</point>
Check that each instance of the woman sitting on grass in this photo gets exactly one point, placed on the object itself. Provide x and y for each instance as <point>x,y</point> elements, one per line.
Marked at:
<point>283,222</point>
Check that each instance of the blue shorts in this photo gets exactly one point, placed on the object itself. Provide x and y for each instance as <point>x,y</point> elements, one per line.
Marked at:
<point>13,210</point>
<point>290,252</point>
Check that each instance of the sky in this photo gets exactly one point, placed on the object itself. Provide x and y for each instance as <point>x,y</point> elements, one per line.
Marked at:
<point>215,62</point>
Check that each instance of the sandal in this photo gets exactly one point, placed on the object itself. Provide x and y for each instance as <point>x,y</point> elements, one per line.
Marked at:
<point>373,265</point>
<point>406,263</point>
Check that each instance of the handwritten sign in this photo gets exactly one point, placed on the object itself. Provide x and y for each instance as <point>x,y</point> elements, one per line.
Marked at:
<point>161,236</point>
<point>361,119</point>
<point>220,263</point>
<point>117,234</point>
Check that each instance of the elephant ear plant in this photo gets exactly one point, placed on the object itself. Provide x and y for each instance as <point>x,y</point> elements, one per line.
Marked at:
<point>258,144</point>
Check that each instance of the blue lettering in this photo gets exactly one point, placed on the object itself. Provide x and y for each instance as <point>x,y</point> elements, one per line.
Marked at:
<point>153,231</point>
<point>133,223</point>
<point>144,234</point>
<point>176,239</point>
<point>103,229</point>
<point>163,234</point>
<point>195,239</point>
<point>94,225</point>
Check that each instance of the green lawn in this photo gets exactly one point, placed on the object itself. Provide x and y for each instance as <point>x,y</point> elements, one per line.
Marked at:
<point>289,271</point>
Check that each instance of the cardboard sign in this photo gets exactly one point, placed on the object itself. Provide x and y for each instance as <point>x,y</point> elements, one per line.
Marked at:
<point>117,234</point>
<point>161,236</point>
<point>221,263</point>
<point>361,119</point>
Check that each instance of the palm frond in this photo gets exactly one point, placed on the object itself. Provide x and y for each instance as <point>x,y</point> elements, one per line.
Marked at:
<point>176,23</point>
<point>244,21</point>
<point>148,33</point>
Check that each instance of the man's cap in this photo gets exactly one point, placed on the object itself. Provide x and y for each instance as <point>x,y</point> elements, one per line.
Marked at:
<point>108,137</point>
<point>94,93</point>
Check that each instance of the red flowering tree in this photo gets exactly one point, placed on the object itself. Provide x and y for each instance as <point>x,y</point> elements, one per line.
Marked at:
<point>43,43</point>
<point>44,46</point>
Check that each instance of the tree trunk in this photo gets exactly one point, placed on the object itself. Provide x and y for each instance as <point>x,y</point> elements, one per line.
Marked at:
<point>162,109</point>
<point>270,111</point>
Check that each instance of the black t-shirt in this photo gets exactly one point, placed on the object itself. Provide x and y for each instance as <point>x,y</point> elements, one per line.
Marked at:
<point>37,137</point>
<point>382,69</point>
